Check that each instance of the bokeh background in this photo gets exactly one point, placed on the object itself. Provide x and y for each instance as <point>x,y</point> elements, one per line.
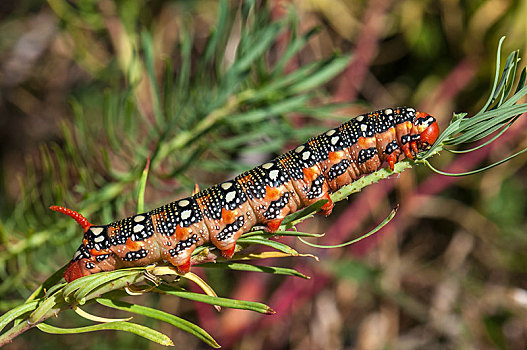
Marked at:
<point>448,273</point>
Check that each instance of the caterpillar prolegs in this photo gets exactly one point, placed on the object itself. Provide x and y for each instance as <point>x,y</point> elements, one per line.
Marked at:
<point>261,196</point>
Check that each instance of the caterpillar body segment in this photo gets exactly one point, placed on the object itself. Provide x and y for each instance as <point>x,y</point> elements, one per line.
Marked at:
<point>264,195</point>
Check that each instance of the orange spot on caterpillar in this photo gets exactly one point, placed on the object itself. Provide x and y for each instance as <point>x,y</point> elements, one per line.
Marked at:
<point>228,216</point>
<point>272,193</point>
<point>335,157</point>
<point>81,220</point>
<point>95,252</point>
<point>132,245</point>
<point>362,142</point>
<point>181,232</point>
<point>367,142</point>
<point>310,173</point>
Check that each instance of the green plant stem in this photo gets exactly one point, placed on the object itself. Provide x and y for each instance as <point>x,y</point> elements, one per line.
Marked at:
<point>185,137</point>
<point>11,334</point>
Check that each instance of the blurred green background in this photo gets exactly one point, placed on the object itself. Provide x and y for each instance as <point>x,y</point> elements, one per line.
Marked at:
<point>89,90</point>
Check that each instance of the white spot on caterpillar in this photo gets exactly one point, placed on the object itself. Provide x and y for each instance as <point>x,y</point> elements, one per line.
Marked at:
<point>388,111</point>
<point>99,239</point>
<point>360,118</point>
<point>300,148</point>
<point>139,218</point>
<point>138,228</point>
<point>334,140</point>
<point>273,174</point>
<point>76,255</point>
<point>330,132</point>
<point>183,203</point>
<point>230,196</point>
<point>186,214</point>
<point>267,165</point>
<point>305,155</point>
<point>410,109</point>
<point>96,230</point>
<point>226,185</point>
<point>364,127</point>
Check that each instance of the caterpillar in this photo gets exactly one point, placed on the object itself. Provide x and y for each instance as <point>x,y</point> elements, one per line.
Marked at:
<point>263,195</point>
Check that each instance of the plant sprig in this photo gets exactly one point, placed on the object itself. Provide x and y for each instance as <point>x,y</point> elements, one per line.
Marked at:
<point>496,117</point>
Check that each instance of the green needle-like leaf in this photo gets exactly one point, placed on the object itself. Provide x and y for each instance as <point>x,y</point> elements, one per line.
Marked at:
<point>323,75</point>
<point>366,235</point>
<point>142,188</point>
<point>224,302</point>
<point>18,311</point>
<point>139,330</point>
<point>263,241</point>
<point>253,268</point>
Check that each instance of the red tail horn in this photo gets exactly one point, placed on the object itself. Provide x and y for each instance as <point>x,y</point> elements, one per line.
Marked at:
<point>81,220</point>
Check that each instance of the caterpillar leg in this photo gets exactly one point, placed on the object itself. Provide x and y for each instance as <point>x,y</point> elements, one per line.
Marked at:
<point>407,151</point>
<point>229,252</point>
<point>328,207</point>
<point>413,145</point>
<point>181,255</point>
<point>392,159</point>
<point>184,267</point>
<point>273,225</point>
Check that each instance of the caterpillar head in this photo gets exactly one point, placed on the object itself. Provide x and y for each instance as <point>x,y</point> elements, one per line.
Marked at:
<point>424,132</point>
<point>94,254</point>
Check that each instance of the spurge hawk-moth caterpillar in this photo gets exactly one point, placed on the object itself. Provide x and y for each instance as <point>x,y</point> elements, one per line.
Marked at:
<point>260,196</point>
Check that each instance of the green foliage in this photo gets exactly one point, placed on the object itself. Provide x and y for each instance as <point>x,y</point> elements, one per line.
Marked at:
<point>497,115</point>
